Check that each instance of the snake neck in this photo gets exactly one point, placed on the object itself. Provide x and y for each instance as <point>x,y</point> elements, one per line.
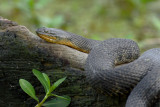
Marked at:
<point>83,44</point>
<point>102,69</point>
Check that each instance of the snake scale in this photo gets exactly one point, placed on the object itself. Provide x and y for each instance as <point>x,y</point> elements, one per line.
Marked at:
<point>114,66</point>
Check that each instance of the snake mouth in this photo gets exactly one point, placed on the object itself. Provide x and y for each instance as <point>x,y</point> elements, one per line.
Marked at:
<point>45,34</point>
<point>47,37</point>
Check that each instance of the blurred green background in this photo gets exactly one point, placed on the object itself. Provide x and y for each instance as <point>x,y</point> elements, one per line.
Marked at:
<point>96,19</point>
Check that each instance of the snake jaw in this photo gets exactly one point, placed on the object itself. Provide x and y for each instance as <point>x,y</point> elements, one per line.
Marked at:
<point>47,38</point>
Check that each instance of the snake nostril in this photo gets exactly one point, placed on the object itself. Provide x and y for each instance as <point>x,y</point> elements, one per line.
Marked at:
<point>38,30</point>
<point>45,30</point>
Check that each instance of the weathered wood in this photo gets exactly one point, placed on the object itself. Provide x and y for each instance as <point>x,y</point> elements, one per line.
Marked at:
<point>21,51</point>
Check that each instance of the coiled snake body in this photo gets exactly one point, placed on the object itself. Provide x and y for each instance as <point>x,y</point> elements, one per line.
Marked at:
<point>113,66</point>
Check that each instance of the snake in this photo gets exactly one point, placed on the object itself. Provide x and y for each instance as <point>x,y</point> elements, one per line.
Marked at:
<point>115,66</point>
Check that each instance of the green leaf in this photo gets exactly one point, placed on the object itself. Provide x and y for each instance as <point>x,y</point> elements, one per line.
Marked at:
<point>59,96</point>
<point>57,21</point>
<point>156,22</point>
<point>57,83</point>
<point>28,88</point>
<point>58,102</point>
<point>46,78</point>
<point>42,79</point>
<point>31,4</point>
<point>41,3</point>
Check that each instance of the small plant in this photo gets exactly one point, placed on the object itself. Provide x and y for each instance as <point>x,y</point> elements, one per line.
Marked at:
<point>59,101</point>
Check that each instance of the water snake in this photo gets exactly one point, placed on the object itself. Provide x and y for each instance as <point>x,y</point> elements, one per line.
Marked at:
<point>114,66</point>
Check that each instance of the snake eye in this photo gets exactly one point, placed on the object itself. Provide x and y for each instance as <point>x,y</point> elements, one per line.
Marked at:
<point>53,33</point>
<point>46,31</point>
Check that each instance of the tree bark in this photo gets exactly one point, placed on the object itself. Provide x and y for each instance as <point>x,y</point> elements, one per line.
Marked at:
<point>21,51</point>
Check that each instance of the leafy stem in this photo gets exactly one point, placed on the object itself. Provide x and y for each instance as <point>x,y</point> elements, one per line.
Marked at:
<point>59,97</point>
<point>41,103</point>
<point>45,81</point>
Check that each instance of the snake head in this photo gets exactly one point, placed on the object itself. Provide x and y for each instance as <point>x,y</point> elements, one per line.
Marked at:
<point>52,35</point>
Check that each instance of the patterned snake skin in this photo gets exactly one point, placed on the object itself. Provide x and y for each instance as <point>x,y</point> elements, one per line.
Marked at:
<point>114,66</point>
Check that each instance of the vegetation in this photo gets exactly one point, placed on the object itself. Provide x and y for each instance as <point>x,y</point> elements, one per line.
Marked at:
<point>60,101</point>
<point>96,19</point>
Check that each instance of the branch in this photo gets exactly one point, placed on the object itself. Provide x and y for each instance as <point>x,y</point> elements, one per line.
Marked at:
<point>75,58</point>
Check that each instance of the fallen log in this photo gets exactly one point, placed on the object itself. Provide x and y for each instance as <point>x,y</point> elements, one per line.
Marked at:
<point>21,51</point>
